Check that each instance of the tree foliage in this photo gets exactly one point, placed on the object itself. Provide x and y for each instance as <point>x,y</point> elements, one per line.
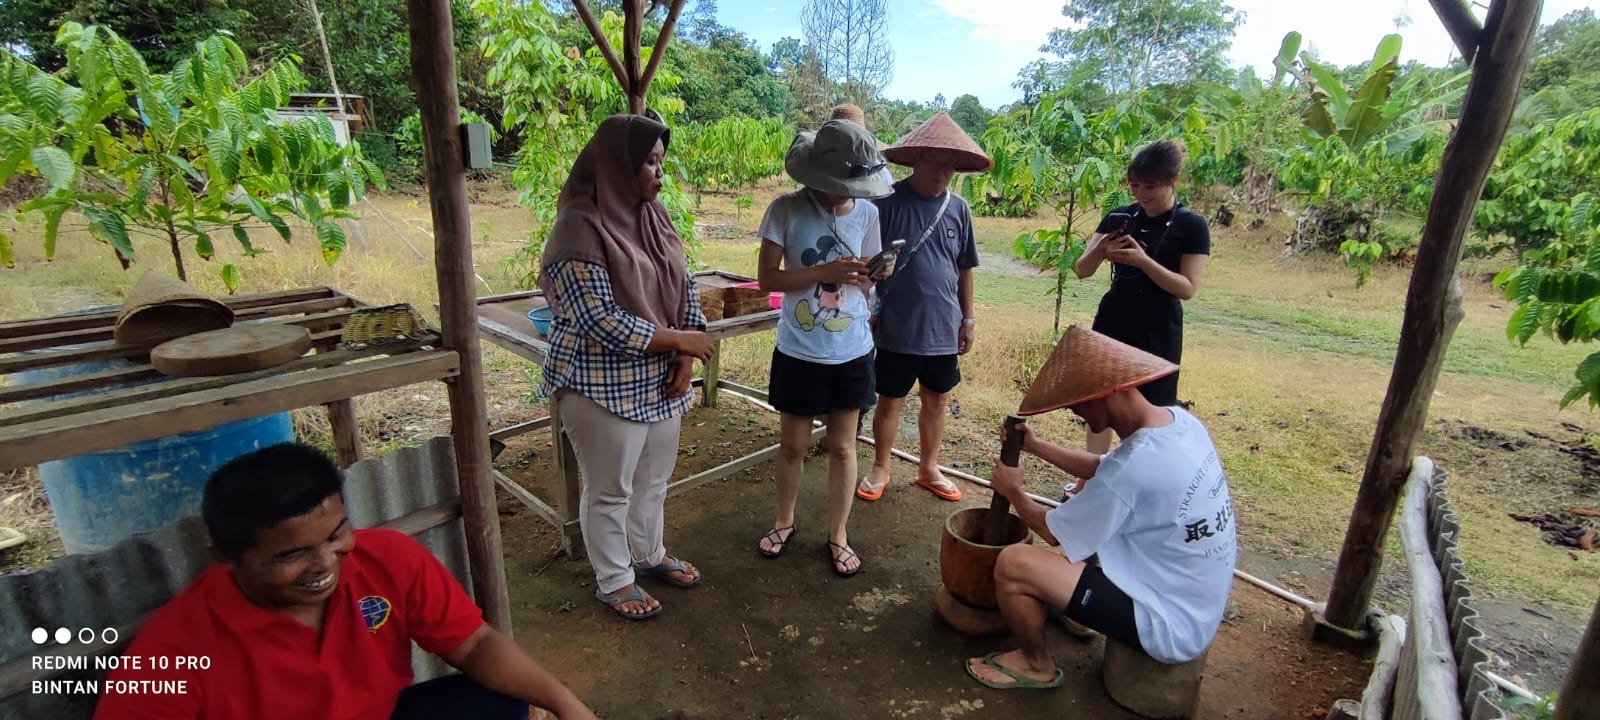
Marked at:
<point>733,153</point>
<point>182,156</point>
<point>1568,58</point>
<point>1132,44</point>
<point>970,114</point>
<point>553,96</point>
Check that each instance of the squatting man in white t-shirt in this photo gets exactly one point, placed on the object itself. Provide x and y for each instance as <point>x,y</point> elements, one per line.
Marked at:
<point>1146,546</point>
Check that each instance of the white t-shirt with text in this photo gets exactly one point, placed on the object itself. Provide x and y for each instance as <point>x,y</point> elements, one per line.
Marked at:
<point>1159,516</point>
<point>823,323</point>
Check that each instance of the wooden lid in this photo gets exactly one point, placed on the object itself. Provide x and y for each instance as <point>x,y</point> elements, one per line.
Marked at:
<point>241,349</point>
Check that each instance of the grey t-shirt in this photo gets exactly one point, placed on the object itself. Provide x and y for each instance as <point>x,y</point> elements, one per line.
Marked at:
<point>921,311</point>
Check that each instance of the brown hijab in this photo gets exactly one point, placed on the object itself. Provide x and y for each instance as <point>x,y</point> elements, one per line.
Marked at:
<point>602,218</point>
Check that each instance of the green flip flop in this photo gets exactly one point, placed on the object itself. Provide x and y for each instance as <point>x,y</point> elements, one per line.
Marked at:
<point>664,571</point>
<point>1019,681</point>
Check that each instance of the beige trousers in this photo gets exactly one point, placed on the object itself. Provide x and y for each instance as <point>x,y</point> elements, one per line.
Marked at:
<point>625,467</point>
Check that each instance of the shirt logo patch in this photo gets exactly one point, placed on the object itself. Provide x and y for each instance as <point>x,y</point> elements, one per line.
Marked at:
<point>375,611</point>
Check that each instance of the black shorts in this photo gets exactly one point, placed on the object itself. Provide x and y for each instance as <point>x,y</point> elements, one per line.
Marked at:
<point>1151,321</point>
<point>896,372</point>
<point>802,387</point>
<point>456,696</point>
<point>1100,605</point>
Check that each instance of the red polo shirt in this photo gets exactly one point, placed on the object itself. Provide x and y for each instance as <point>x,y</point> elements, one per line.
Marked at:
<point>264,664</point>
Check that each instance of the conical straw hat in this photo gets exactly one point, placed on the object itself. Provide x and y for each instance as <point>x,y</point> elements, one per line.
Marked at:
<point>1087,366</point>
<point>161,308</point>
<point>942,135</point>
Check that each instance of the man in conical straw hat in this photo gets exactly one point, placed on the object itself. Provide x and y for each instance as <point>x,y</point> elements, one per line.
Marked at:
<point>1155,513</point>
<point>925,320</point>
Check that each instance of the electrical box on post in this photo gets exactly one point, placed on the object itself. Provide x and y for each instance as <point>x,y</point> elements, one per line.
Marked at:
<point>475,141</point>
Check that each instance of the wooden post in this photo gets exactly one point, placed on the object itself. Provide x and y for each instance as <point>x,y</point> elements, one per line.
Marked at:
<point>713,373</point>
<point>659,51</point>
<point>1433,303</point>
<point>346,431</point>
<point>433,64</point>
<point>1579,698</point>
<point>635,83</point>
<point>632,40</point>
<point>569,478</point>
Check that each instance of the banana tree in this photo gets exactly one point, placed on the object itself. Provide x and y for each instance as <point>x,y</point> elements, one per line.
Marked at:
<point>1377,109</point>
<point>180,156</point>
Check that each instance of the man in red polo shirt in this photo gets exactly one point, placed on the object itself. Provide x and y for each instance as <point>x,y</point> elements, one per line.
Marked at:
<point>305,616</point>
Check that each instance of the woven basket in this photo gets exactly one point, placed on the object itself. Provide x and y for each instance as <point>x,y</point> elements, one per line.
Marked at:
<point>738,302</point>
<point>711,304</point>
<point>161,308</point>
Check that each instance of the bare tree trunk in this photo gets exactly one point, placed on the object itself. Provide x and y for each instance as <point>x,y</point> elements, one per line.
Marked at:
<point>1433,303</point>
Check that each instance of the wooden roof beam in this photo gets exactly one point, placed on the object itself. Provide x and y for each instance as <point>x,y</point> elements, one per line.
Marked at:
<point>1463,27</point>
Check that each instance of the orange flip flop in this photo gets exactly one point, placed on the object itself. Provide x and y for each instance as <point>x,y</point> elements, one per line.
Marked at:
<point>861,491</point>
<point>952,493</point>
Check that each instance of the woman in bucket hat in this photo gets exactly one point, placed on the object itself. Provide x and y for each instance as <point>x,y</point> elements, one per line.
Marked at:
<point>816,242</point>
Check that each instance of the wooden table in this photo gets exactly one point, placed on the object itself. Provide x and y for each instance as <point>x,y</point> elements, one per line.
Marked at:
<point>137,403</point>
<point>503,320</point>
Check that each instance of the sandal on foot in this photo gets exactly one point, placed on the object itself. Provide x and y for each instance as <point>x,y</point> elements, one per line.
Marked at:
<point>845,553</point>
<point>776,537</point>
<point>944,492</point>
<point>1018,680</point>
<point>665,571</point>
<point>616,599</point>
<point>863,491</point>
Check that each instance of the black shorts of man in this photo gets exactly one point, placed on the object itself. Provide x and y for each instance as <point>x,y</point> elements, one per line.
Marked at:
<point>304,616</point>
<point>1143,553</point>
<point>925,320</point>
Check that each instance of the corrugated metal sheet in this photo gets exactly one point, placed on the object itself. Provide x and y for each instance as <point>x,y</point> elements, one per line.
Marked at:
<point>121,585</point>
<point>1478,695</point>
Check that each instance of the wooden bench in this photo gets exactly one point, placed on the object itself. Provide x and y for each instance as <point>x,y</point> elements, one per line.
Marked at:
<point>1149,687</point>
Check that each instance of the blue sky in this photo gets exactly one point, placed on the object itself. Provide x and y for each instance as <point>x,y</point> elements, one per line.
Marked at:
<point>976,46</point>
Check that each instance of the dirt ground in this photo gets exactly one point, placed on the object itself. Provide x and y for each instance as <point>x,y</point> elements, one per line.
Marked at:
<point>785,638</point>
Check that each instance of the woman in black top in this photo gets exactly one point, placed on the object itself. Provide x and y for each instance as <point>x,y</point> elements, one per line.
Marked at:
<point>1158,251</point>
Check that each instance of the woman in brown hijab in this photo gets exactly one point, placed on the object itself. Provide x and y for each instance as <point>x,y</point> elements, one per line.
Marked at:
<point>627,330</point>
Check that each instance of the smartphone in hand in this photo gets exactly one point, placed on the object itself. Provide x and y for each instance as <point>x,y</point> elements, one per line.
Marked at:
<point>875,265</point>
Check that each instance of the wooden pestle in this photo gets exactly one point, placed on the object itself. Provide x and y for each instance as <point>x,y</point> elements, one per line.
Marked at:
<point>994,524</point>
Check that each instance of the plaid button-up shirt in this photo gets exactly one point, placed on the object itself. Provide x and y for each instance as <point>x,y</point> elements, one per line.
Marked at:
<point>598,349</point>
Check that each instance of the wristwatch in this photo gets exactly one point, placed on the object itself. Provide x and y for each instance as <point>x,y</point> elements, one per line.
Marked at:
<point>969,321</point>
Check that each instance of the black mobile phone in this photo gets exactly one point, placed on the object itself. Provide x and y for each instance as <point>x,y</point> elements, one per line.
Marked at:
<point>875,265</point>
<point>1130,226</point>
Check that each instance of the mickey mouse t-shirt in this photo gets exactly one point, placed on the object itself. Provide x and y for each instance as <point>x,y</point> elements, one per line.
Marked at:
<point>824,323</point>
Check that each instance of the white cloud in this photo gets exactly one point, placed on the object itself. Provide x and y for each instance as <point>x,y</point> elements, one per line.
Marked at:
<point>1021,22</point>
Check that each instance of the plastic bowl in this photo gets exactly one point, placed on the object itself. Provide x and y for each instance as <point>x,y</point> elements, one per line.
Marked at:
<point>541,317</point>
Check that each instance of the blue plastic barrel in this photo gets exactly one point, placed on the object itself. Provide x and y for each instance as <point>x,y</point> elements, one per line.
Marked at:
<point>102,498</point>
